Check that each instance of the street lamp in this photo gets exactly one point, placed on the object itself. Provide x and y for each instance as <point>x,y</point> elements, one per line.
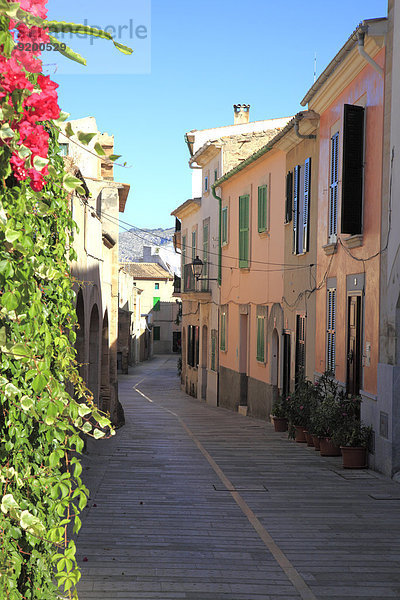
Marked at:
<point>197,269</point>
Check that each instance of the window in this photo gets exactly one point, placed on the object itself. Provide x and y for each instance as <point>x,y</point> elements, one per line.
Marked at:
<point>262,208</point>
<point>193,245</point>
<point>206,183</point>
<point>289,197</point>
<point>333,188</point>
<point>156,333</point>
<point>243,231</point>
<point>301,207</point>
<point>223,320</point>
<point>261,339</point>
<point>63,150</point>
<point>205,255</point>
<point>215,175</point>
<point>183,253</point>
<point>224,226</point>
<point>296,185</point>
<point>331,331</point>
<point>214,350</point>
<point>353,169</point>
<point>156,303</point>
<point>193,346</point>
<point>157,286</point>
<point>300,347</point>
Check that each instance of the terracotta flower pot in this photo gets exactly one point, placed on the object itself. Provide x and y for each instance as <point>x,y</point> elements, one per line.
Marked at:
<point>280,424</point>
<point>308,437</point>
<point>354,458</point>
<point>316,442</point>
<point>328,448</point>
<point>300,438</point>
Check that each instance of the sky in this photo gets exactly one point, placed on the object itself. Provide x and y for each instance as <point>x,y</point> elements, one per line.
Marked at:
<point>192,61</point>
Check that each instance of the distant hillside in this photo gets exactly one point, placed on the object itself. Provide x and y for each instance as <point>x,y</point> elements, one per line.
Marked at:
<point>131,242</point>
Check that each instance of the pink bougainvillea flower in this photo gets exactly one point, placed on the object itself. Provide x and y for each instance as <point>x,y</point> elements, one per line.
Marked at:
<point>18,167</point>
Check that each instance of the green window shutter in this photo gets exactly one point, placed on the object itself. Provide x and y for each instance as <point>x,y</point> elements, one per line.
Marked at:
<point>262,208</point>
<point>213,350</point>
<point>183,252</point>
<point>193,245</point>
<point>156,334</point>
<point>205,250</point>
<point>156,303</point>
<point>260,339</point>
<point>243,231</point>
<point>224,226</point>
<point>223,331</point>
<point>306,204</point>
<point>296,191</point>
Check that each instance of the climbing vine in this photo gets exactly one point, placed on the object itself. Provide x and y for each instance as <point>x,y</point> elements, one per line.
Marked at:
<point>45,408</point>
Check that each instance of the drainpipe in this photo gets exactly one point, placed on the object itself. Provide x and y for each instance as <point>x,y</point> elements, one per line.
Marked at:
<point>297,120</point>
<point>220,232</point>
<point>367,57</point>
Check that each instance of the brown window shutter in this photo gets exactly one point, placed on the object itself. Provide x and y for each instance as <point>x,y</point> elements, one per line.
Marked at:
<point>353,166</point>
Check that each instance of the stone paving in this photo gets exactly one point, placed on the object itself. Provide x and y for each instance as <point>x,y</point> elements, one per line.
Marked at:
<point>194,502</point>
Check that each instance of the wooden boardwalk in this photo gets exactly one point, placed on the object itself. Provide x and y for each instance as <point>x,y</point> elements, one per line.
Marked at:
<point>194,502</point>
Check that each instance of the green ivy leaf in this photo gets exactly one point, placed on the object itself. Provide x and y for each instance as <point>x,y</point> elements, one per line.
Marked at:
<point>97,434</point>
<point>6,132</point>
<point>9,504</point>
<point>68,130</point>
<point>20,351</point>
<point>39,163</point>
<point>99,149</point>
<point>39,383</point>
<point>12,235</point>
<point>26,403</point>
<point>85,138</point>
<point>10,300</point>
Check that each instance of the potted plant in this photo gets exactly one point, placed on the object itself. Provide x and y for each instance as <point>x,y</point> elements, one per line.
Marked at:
<point>299,407</point>
<point>279,414</point>
<point>332,411</point>
<point>353,438</point>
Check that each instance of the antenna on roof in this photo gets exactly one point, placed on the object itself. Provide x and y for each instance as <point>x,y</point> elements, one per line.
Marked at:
<point>315,66</point>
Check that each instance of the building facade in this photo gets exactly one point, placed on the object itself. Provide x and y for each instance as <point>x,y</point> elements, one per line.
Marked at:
<point>387,413</point>
<point>349,97</point>
<point>213,152</point>
<point>251,315</point>
<point>160,309</point>
<point>96,269</point>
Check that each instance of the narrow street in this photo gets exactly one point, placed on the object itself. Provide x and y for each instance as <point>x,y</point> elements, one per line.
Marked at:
<point>194,502</point>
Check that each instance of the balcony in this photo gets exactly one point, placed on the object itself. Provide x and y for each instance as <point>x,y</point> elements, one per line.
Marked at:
<point>191,285</point>
<point>176,238</point>
<point>177,284</point>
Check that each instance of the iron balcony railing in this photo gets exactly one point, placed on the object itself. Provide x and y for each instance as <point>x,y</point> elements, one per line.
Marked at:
<point>189,281</point>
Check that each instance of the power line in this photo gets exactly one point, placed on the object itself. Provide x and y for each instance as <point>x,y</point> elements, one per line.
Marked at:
<point>114,220</point>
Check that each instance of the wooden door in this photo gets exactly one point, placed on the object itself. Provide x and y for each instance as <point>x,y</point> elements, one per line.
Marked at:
<point>354,345</point>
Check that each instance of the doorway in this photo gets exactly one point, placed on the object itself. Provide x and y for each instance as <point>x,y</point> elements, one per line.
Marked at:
<point>286,365</point>
<point>275,359</point>
<point>353,380</point>
<point>204,358</point>
<point>243,335</point>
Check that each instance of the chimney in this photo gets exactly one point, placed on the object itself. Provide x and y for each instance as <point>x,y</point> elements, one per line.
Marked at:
<point>241,113</point>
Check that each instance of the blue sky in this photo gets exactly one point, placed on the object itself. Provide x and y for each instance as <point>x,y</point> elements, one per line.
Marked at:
<point>205,57</point>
